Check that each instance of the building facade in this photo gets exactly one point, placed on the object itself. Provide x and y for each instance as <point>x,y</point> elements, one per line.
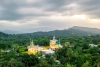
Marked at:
<point>54,45</point>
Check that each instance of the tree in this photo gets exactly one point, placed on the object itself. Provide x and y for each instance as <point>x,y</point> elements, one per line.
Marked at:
<point>98,65</point>
<point>14,63</point>
<point>94,50</point>
<point>67,44</point>
<point>42,63</point>
<point>98,45</point>
<point>30,60</point>
<point>15,46</point>
<point>86,64</point>
<point>85,45</point>
<point>11,54</point>
<point>22,49</point>
<point>69,65</point>
<point>50,59</point>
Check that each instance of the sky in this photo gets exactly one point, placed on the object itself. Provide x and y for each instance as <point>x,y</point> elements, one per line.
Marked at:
<point>46,15</point>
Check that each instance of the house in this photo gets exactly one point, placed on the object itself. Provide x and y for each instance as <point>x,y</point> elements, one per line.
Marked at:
<point>92,45</point>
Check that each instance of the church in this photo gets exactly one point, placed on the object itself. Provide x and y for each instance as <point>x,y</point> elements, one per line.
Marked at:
<point>54,45</point>
<point>32,49</point>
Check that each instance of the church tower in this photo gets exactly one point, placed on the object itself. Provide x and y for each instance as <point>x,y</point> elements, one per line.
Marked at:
<point>54,44</point>
<point>32,49</point>
<point>54,38</point>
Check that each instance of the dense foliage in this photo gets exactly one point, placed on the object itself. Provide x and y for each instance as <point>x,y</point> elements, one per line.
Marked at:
<point>76,51</point>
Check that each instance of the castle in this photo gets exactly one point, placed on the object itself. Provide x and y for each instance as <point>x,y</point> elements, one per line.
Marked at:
<point>54,45</point>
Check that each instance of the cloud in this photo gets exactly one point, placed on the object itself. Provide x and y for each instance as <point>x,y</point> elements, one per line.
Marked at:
<point>90,7</point>
<point>18,9</point>
<point>35,15</point>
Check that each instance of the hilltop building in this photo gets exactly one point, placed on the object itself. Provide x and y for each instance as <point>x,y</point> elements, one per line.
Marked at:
<point>54,45</point>
<point>32,49</point>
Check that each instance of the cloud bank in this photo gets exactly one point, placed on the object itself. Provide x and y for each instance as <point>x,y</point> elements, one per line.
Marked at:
<point>46,15</point>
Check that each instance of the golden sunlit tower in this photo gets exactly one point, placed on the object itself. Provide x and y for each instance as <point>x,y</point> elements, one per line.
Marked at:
<point>31,48</point>
<point>54,44</point>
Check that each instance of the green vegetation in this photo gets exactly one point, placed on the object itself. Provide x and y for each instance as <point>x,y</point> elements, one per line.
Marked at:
<point>76,51</point>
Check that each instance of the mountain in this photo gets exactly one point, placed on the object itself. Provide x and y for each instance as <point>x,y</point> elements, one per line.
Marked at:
<point>86,29</point>
<point>74,31</point>
<point>10,32</point>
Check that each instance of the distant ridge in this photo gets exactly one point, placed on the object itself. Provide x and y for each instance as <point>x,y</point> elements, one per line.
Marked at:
<point>87,29</point>
<point>73,31</point>
<point>10,32</point>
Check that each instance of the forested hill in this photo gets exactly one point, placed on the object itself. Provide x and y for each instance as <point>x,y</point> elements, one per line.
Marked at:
<point>77,31</point>
<point>69,32</point>
<point>74,31</point>
<point>10,32</point>
<point>3,34</point>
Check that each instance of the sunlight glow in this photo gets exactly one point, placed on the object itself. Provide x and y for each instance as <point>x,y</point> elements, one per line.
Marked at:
<point>83,17</point>
<point>95,20</point>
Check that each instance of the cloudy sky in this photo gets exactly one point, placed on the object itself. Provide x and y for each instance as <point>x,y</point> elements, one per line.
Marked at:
<point>46,15</point>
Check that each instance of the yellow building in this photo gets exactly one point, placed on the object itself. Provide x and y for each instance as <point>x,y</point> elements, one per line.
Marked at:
<point>54,44</point>
<point>32,49</point>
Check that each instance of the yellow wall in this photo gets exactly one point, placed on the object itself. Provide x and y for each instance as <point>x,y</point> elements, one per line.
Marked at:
<point>32,50</point>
